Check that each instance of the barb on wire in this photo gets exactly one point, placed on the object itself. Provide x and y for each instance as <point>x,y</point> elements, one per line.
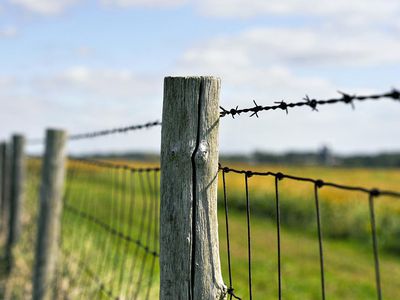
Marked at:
<point>310,102</point>
<point>94,134</point>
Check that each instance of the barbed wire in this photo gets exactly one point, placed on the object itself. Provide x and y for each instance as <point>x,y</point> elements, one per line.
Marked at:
<point>104,132</point>
<point>310,102</point>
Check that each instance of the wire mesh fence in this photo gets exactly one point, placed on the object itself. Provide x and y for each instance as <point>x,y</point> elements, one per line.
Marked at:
<point>110,230</point>
<point>110,237</point>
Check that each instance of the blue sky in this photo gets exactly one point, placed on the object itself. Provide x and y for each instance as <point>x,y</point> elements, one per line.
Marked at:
<point>83,65</point>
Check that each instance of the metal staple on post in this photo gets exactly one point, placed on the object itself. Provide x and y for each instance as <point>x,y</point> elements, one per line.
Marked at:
<point>189,247</point>
<point>51,191</point>
<point>18,169</point>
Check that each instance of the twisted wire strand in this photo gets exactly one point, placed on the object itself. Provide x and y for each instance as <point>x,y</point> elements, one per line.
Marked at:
<point>112,165</point>
<point>310,102</point>
<point>100,133</point>
<point>373,191</point>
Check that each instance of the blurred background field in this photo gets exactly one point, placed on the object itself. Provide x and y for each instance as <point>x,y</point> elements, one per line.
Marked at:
<point>345,224</point>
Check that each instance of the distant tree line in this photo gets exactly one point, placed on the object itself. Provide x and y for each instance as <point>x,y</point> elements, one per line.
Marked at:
<point>321,157</point>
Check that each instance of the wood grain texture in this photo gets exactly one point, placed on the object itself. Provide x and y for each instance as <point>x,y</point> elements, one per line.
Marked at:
<point>189,253</point>
<point>49,221</point>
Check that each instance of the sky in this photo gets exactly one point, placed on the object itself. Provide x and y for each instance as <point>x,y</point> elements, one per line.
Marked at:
<point>84,65</point>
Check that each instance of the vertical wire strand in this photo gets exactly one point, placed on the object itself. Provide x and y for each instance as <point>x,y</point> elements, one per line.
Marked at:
<point>248,235</point>
<point>148,213</point>
<point>375,246</point>
<point>131,223</point>
<point>70,175</point>
<point>155,225</point>
<point>139,243</point>
<point>61,271</point>
<point>125,247</point>
<point>116,239</point>
<point>86,243</point>
<point>321,250</point>
<point>75,239</point>
<point>89,285</point>
<point>228,247</point>
<point>100,237</point>
<point>278,236</point>
<point>108,238</point>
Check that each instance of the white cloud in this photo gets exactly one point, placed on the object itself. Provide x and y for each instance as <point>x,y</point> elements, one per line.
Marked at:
<point>343,9</point>
<point>298,46</point>
<point>45,7</point>
<point>8,32</point>
<point>265,63</point>
<point>144,3</point>
<point>103,83</point>
<point>81,99</point>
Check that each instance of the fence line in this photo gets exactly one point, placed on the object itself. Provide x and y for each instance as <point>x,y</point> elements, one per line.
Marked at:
<point>100,133</point>
<point>372,193</point>
<point>307,101</point>
<point>115,231</point>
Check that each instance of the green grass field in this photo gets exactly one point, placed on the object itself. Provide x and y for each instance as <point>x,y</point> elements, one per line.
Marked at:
<point>91,255</point>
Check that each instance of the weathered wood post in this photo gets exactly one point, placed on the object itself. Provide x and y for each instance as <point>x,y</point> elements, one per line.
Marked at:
<point>4,176</point>
<point>5,187</point>
<point>50,211</point>
<point>18,169</point>
<point>189,248</point>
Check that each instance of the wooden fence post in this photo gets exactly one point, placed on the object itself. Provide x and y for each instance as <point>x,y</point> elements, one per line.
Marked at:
<point>51,193</point>
<point>189,247</point>
<point>18,169</point>
<point>4,179</point>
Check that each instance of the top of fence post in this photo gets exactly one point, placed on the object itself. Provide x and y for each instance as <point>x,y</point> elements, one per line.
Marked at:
<point>189,247</point>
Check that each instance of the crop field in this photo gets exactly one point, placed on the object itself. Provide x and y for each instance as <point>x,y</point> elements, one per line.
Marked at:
<point>95,263</point>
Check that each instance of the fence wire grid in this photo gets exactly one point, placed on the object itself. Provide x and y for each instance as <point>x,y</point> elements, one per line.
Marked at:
<point>110,230</point>
<point>110,223</point>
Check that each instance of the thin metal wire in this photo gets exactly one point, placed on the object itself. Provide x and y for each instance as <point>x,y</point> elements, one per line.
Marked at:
<point>376,192</point>
<point>131,219</point>
<point>228,247</point>
<point>100,133</point>
<point>146,213</point>
<point>278,234</point>
<point>321,250</point>
<point>246,176</point>
<point>155,237</point>
<point>375,246</point>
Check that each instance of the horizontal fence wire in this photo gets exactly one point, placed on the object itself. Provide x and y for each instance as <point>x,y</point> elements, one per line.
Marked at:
<point>318,184</point>
<point>308,102</point>
<point>110,231</point>
<point>100,133</point>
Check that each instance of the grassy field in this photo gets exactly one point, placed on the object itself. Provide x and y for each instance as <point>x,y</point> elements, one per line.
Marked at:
<point>92,256</point>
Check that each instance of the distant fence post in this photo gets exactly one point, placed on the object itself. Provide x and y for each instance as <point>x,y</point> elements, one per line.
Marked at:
<point>4,179</point>
<point>189,248</point>
<point>48,234</point>
<point>17,184</point>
